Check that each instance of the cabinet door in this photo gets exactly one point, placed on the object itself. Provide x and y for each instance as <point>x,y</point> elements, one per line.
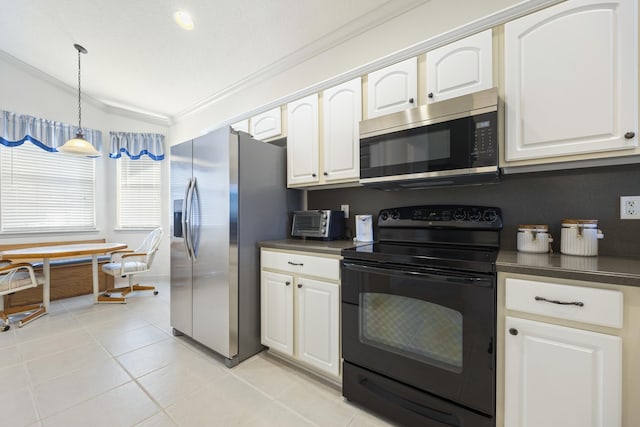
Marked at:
<point>266,125</point>
<point>341,145</point>
<point>460,68</point>
<point>392,89</point>
<point>242,125</point>
<point>302,141</point>
<point>571,80</point>
<point>318,324</point>
<point>560,377</point>
<point>276,305</point>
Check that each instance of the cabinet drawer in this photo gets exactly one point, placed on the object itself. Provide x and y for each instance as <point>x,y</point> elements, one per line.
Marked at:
<point>580,304</point>
<point>301,264</point>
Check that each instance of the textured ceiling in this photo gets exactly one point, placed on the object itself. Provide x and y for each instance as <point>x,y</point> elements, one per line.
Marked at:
<point>141,60</point>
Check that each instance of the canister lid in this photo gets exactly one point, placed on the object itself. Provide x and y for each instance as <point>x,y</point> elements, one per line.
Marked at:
<point>533,227</point>
<point>584,223</point>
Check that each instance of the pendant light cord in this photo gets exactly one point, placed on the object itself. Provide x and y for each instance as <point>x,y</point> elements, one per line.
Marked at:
<point>79,104</point>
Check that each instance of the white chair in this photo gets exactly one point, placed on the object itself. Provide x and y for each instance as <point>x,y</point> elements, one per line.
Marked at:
<point>128,263</point>
<point>16,277</point>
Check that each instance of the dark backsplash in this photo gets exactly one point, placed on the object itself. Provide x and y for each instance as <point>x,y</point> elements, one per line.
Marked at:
<point>532,198</point>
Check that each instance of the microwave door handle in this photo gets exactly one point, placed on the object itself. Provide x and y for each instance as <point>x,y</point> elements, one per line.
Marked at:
<point>185,221</point>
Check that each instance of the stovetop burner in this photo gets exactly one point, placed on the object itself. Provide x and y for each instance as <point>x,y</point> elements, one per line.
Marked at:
<point>436,236</point>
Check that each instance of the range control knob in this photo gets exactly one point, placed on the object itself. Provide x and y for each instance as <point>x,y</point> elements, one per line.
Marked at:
<point>489,215</point>
<point>395,214</point>
<point>475,215</point>
<point>384,215</point>
<point>459,214</point>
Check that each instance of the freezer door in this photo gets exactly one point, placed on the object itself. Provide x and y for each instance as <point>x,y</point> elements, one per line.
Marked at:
<point>214,210</point>
<point>181,271</point>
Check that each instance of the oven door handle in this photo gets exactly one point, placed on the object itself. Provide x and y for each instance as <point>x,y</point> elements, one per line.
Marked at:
<point>441,276</point>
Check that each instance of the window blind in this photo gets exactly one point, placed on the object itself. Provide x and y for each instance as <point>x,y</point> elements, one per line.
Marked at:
<point>139,193</point>
<point>43,191</point>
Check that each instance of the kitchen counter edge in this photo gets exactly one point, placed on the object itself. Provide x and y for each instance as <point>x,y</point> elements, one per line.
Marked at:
<point>613,270</point>
<point>331,247</point>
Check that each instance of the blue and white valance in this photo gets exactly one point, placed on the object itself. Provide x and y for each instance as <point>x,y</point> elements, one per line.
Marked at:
<point>16,128</point>
<point>136,145</point>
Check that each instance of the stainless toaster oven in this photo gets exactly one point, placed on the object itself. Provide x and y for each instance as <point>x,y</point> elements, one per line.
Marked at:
<point>319,224</point>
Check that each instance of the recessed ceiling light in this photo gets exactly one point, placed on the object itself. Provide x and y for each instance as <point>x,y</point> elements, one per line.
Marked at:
<point>183,19</point>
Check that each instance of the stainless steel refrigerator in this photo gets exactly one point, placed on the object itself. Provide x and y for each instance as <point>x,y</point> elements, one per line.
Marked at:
<point>228,191</point>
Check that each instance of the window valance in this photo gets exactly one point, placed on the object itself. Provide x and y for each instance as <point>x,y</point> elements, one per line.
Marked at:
<point>136,145</point>
<point>47,134</point>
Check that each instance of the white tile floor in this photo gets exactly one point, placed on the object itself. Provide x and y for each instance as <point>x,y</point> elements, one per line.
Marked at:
<point>118,365</point>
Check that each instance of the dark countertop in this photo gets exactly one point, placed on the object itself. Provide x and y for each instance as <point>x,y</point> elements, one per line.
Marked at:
<point>331,247</point>
<point>614,270</point>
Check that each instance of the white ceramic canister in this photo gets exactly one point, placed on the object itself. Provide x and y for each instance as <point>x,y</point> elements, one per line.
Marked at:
<point>534,238</point>
<point>580,237</point>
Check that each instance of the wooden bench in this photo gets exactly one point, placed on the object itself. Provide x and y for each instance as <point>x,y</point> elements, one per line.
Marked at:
<point>70,276</point>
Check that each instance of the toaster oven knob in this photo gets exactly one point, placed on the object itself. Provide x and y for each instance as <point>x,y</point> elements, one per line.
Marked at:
<point>324,223</point>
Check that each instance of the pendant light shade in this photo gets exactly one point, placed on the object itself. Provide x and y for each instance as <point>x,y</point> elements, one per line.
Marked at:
<point>79,146</point>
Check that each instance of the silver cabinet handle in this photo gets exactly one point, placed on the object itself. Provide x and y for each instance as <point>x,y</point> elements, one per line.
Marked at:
<point>578,303</point>
<point>295,263</point>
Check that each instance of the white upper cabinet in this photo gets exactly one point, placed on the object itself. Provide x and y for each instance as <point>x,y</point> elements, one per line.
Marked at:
<point>267,125</point>
<point>460,68</point>
<point>302,141</point>
<point>571,80</point>
<point>242,125</point>
<point>342,112</point>
<point>392,89</point>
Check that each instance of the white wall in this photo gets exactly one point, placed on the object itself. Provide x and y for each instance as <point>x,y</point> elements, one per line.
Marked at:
<point>27,91</point>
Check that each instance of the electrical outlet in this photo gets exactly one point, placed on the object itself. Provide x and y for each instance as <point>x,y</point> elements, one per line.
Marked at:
<point>630,207</point>
<point>345,209</point>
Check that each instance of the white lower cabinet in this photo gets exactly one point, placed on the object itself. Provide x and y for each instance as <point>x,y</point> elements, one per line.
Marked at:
<point>317,322</point>
<point>277,311</point>
<point>557,376</point>
<point>300,314</point>
<point>567,353</point>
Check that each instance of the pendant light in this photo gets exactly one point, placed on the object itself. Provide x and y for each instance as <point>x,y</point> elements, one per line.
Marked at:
<point>79,146</point>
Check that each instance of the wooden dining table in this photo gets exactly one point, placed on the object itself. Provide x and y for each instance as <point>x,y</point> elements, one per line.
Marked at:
<point>63,251</point>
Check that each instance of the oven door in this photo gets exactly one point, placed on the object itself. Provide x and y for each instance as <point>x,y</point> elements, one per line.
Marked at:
<point>433,330</point>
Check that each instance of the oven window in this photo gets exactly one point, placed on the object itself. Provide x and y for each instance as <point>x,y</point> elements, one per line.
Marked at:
<point>413,328</point>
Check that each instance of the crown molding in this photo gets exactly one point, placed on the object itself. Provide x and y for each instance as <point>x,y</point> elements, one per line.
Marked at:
<point>105,106</point>
<point>487,22</point>
<point>355,27</point>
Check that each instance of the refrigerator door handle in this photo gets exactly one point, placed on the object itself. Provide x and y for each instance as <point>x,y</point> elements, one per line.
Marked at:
<point>186,214</point>
<point>194,239</point>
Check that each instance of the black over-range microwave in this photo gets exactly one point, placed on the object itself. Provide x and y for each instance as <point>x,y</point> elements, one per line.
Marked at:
<point>445,143</point>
